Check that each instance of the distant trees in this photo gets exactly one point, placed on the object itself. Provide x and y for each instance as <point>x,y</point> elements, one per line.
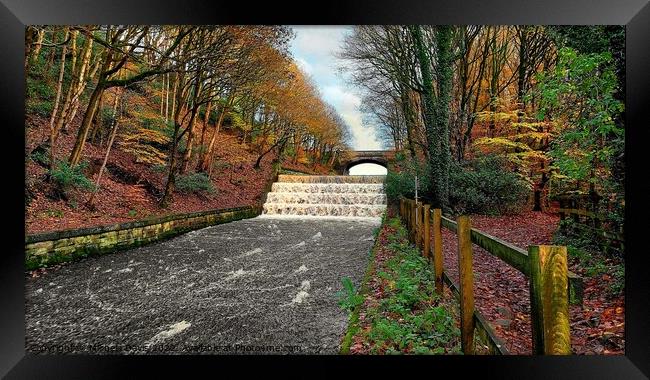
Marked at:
<point>120,47</point>
<point>206,77</point>
<point>468,91</point>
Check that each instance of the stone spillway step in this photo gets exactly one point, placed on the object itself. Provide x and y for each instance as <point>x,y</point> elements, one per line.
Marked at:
<point>332,178</point>
<point>298,187</point>
<point>339,196</point>
<point>324,209</point>
<point>328,198</point>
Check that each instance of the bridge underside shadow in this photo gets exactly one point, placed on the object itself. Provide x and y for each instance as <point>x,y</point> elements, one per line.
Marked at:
<point>353,158</point>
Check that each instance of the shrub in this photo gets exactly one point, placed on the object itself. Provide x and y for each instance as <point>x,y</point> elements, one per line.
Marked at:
<point>40,93</point>
<point>67,177</point>
<point>158,168</point>
<point>194,183</point>
<point>486,186</point>
<point>403,183</point>
<point>40,156</point>
<point>349,298</point>
<point>41,108</point>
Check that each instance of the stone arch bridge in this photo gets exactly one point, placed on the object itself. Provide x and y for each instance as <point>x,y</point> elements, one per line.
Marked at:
<point>351,158</point>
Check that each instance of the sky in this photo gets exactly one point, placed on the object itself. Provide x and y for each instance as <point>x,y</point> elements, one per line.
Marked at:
<point>314,48</point>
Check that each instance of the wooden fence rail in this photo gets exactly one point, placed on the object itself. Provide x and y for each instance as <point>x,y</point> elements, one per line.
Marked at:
<point>545,266</point>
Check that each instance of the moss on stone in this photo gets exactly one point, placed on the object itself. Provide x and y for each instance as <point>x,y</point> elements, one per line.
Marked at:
<point>45,253</point>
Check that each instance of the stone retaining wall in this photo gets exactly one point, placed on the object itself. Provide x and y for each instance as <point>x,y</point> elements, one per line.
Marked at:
<point>45,249</point>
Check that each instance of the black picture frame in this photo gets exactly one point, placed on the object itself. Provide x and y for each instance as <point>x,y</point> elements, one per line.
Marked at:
<point>16,14</point>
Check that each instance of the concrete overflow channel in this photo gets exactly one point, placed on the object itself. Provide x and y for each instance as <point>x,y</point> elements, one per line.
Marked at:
<point>261,284</point>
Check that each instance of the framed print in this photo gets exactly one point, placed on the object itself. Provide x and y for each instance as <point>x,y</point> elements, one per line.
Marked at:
<point>326,186</point>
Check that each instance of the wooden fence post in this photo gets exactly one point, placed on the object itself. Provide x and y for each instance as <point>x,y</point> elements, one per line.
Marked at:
<point>413,222</point>
<point>426,215</point>
<point>466,279</point>
<point>549,304</point>
<point>437,248</point>
<point>408,218</point>
<point>420,227</point>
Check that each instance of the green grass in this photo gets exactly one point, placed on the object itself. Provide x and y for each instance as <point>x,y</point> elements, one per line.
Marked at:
<point>408,318</point>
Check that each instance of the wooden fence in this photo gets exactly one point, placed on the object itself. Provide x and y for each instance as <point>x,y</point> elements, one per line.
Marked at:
<point>551,284</point>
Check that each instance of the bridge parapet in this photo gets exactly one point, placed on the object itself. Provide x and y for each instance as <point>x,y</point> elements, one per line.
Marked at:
<point>354,157</point>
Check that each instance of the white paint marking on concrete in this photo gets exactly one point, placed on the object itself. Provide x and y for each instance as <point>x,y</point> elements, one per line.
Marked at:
<point>317,236</point>
<point>174,329</point>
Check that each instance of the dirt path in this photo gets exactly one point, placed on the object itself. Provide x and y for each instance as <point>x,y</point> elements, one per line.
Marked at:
<point>502,293</point>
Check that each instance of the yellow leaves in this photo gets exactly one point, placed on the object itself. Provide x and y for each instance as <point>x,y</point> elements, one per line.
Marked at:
<point>535,136</point>
<point>496,116</point>
<point>501,142</point>
<point>145,153</point>
<point>140,144</point>
<point>529,126</point>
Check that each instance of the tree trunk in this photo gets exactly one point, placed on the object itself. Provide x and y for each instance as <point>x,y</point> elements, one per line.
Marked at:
<point>297,147</point>
<point>521,79</point>
<point>187,156</point>
<point>258,162</point>
<point>174,97</point>
<point>37,46</point>
<point>437,110</point>
<point>167,100</point>
<point>332,158</point>
<point>77,86</point>
<point>108,151</point>
<point>209,153</point>
<point>80,141</point>
<point>166,199</point>
<point>97,124</point>
<point>162,96</point>
<point>30,34</point>
<point>59,87</point>
<point>206,121</point>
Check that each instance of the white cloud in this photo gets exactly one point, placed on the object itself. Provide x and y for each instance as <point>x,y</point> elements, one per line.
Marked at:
<point>318,40</point>
<point>315,49</point>
<point>304,65</point>
<point>347,104</point>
